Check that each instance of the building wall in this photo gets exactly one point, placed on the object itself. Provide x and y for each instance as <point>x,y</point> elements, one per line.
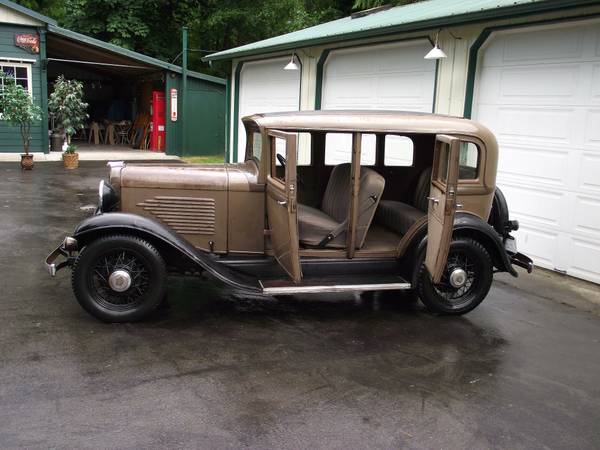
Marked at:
<point>10,138</point>
<point>453,71</point>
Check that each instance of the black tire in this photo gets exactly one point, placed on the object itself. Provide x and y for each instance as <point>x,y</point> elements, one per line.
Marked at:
<point>445,299</point>
<point>103,256</point>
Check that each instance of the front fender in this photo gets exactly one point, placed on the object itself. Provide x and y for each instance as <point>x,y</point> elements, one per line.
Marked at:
<point>144,227</point>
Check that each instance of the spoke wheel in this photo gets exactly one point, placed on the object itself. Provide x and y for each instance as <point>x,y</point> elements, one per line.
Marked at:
<point>119,278</point>
<point>465,282</point>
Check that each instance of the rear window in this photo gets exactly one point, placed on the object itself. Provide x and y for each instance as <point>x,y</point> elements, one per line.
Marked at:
<point>398,151</point>
<point>468,161</point>
<point>338,149</point>
<point>256,146</point>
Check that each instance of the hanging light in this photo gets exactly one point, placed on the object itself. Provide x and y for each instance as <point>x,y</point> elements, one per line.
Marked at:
<point>293,64</point>
<point>436,52</point>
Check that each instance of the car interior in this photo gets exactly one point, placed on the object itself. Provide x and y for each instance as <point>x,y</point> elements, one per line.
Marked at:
<point>394,181</point>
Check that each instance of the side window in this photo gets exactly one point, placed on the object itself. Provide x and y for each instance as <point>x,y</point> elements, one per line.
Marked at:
<point>338,149</point>
<point>278,147</point>
<point>304,150</point>
<point>441,170</point>
<point>257,146</point>
<point>468,161</point>
<point>399,151</point>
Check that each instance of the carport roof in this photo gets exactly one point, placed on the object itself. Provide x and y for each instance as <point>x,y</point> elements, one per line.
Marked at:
<point>413,17</point>
<point>123,53</point>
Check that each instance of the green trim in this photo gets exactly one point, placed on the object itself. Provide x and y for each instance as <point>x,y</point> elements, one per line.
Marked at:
<point>319,81</point>
<point>52,29</point>
<point>505,12</point>
<point>435,84</point>
<point>326,52</point>
<point>228,117</point>
<point>28,12</point>
<point>44,91</point>
<point>482,39</point>
<point>184,89</point>
<point>236,110</point>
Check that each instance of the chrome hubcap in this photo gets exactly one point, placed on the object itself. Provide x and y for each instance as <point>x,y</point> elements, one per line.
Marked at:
<point>119,280</point>
<point>458,278</point>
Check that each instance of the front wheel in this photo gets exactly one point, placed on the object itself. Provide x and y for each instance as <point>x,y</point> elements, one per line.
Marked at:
<point>119,278</point>
<point>466,280</point>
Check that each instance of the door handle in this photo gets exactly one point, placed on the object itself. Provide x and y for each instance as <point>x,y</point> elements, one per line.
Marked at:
<point>459,206</point>
<point>433,199</point>
<point>282,202</point>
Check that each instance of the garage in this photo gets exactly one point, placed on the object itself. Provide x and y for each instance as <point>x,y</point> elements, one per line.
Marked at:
<point>538,89</point>
<point>265,87</point>
<point>390,76</point>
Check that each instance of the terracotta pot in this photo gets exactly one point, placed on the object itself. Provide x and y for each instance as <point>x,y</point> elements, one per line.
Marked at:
<point>26,162</point>
<point>71,160</point>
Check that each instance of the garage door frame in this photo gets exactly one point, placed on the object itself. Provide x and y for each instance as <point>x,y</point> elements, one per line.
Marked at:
<point>326,52</point>
<point>233,149</point>
<point>482,39</point>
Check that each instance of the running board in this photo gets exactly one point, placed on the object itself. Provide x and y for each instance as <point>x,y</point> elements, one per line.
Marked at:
<point>334,284</point>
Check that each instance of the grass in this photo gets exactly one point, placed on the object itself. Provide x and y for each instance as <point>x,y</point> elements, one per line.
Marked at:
<point>203,159</point>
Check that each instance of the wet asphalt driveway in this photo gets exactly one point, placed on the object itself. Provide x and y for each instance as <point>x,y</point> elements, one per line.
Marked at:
<point>222,370</point>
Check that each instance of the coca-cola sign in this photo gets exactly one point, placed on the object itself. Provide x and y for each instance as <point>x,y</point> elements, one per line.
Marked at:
<point>29,42</point>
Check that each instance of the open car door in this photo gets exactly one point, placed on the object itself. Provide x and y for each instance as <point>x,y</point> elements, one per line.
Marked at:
<point>442,204</point>
<point>282,204</point>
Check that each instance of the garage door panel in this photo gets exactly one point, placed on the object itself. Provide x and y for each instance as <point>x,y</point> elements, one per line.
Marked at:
<point>522,165</point>
<point>586,219</point>
<point>589,178</point>
<point>585,259</point>
<point>391,76</point>
<point>535,205</point>
<point>538,89</point>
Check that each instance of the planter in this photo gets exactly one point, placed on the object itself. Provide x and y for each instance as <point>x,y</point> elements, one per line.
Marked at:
<point>71,160</point>
<point>56,142</point>
<point>26,162</point>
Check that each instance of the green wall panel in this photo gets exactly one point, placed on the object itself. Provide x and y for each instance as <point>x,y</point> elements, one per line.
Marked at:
<point>10,138</point>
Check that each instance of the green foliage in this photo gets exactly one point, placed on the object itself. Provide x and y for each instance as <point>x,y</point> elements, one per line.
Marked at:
<point>66,105</point>
<point>71,149</point>
<point>18,109</point>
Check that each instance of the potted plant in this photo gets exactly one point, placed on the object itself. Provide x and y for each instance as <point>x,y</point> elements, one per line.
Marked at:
<point>17,108</point>
<point>68,109</point>
<point>71,157</point>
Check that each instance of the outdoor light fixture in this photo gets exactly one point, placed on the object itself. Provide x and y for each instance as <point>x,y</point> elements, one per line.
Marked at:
<point>436,52</point>
<point>293,64</point>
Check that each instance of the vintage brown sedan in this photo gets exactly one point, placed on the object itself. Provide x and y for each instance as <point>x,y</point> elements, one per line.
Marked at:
<point>325,201</point>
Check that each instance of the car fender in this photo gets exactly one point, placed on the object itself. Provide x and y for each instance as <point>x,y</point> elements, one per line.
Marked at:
<point>158,233</point>
<point>469,225</point>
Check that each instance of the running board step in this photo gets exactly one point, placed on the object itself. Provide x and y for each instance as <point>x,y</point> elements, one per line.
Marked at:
<point>335,284</point>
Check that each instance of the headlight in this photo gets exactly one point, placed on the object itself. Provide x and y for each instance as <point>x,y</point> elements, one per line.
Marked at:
<point>108,198</point>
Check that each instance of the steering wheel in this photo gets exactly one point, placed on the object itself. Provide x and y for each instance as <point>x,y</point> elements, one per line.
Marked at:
<point>281,159</point>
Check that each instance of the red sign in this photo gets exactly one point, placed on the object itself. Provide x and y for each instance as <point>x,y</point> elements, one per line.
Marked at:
<point>29,42</point>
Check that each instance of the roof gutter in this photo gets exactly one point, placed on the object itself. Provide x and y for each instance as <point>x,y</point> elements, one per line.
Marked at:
<point>463,19</point>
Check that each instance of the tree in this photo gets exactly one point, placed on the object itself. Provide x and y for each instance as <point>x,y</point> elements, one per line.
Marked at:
<point>17,108</point>
<point>67,107</point>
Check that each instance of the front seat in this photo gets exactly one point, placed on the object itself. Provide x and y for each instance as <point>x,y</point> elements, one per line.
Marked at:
<point>326,227</point>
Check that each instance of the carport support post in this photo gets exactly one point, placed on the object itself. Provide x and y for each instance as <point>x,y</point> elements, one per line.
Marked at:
<point>184,61</point>
<point>44,91</point>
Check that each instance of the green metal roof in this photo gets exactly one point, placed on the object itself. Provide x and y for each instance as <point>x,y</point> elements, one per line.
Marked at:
<point>53,29</point>
<point>415,16</point>
<point>27,12</point>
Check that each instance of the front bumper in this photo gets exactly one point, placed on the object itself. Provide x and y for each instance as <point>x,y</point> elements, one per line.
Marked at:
<point>516,258</point>
<point>66,249</point>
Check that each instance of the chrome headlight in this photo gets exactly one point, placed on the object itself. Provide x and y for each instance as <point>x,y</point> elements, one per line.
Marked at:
<point>108,198</point>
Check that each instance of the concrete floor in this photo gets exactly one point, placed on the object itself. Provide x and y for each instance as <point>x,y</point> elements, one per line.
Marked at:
<point>223,370</point>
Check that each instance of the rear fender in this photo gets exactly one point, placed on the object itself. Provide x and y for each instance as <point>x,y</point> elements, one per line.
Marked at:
<point>467,225</point>
<point>164,239</point>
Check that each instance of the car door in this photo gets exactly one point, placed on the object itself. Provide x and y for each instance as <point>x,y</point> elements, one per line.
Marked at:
<point>282,206</point>
<point>442,204</point>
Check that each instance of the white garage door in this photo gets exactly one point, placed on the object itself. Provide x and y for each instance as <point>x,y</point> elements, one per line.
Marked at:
<point>389,76</point>
<point>266,87</point>
<point>538,89</point>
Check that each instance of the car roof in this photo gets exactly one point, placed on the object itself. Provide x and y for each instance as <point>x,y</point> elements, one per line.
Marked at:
<point>374,121</point>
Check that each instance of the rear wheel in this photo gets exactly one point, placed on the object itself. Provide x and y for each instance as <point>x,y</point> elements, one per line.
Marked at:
<point>119,278</point>
<point>465,282</point>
